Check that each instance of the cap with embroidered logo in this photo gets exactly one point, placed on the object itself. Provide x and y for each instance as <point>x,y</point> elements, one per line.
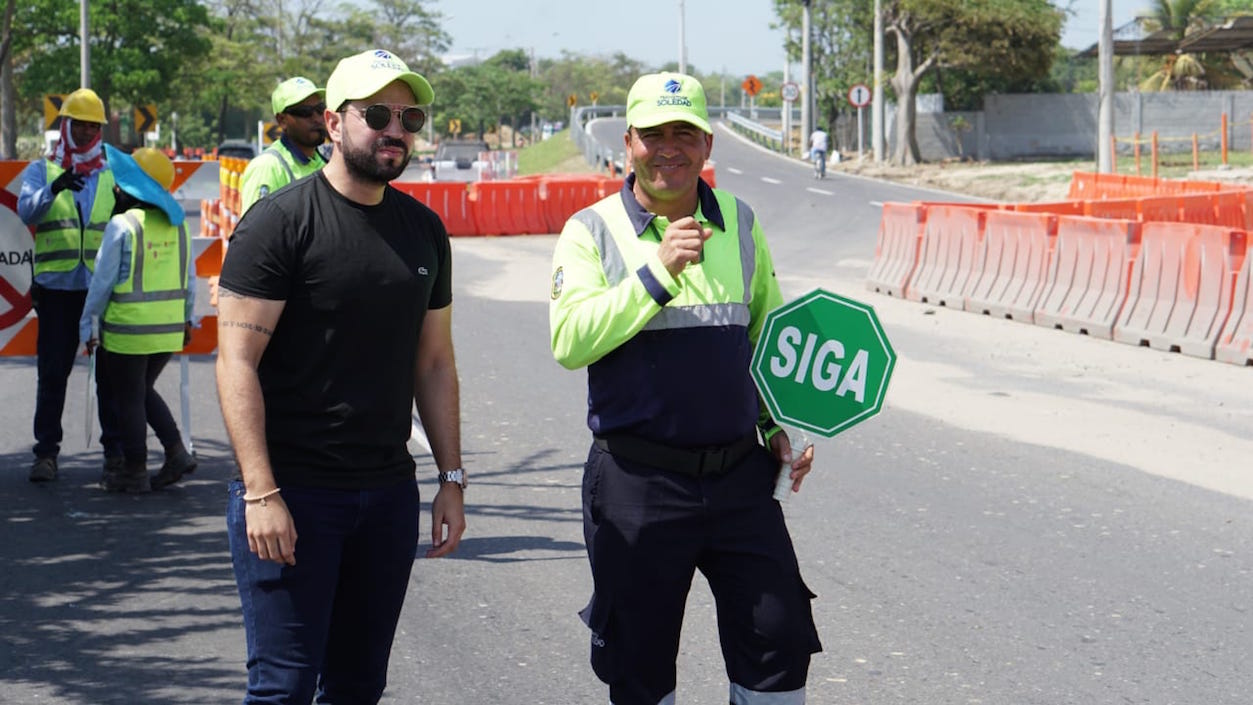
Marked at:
<point>658,98</point>
<point>362,75</point>
<point>293,91</point>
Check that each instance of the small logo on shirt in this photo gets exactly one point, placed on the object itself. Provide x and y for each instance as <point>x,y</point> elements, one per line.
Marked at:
<point>559,278</point>
<point>422,270</point>
<point>264,191</point>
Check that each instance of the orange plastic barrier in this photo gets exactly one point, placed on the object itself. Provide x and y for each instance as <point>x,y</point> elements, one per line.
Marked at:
<point>507,207</point>
<point>1235,343</point>
<point>707,173</point>
<point>22,340</point>
<point>1054,207</point>
<point>609,185</point>
<point>563,196</point>
<point>1114,208</point>
<point>1181,287</point>
<point>1010,277</point>
<point>896,248</point>
<point>1082,186</point>
<point>1087,281</point>
<point>451,201</point>
<point>950,245</point>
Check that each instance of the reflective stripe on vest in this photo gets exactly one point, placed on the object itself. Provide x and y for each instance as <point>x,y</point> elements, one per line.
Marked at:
<point>61,241</point>
<point>291,176</point>
<point>146,313</point>
<point>616,269</point>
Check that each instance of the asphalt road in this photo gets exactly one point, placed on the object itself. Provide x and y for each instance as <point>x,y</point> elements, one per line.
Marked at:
<point>1035,518</point>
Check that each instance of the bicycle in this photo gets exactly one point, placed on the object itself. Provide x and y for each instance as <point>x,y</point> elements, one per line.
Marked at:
<point>820,163</point>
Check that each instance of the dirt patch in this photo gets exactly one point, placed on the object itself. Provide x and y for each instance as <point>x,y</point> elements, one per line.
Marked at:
<point>1016,182</point>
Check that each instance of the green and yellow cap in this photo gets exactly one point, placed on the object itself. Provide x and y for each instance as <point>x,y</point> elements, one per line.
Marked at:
<point>658,98</point>
<point>293,91</point>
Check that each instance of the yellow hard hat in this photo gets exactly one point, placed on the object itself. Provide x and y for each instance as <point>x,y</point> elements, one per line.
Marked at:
<point>156,165</point>
<point>83,104</point>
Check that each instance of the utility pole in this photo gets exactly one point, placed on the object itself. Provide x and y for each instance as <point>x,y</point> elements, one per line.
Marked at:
<point>1105,75</point>
<point>807,95</point>
<point>682,41</point>
<point>876,99</point>
<point>84,47</point>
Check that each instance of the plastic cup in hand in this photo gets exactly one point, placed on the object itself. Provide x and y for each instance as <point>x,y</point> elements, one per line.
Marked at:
<point>783,485</point>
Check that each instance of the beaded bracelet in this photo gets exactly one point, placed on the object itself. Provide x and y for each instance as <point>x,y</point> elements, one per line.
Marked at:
<point>261,497</point>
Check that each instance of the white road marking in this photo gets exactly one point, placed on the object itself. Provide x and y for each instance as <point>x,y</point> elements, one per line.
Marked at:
<point>811,189</point>
<point>733,170</point>
<point>769,180</point>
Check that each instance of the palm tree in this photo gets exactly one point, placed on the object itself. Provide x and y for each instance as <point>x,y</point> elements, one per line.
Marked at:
<point>1186,71</point>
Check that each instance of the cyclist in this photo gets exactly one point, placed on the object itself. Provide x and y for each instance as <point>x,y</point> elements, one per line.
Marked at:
<point>818,146</point>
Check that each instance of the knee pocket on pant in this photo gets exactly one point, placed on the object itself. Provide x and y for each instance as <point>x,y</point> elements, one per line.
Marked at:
<point>605,658</point>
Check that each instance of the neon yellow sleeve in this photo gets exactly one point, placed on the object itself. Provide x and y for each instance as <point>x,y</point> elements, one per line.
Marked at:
<point>265,170</point>
<point>587,317</point>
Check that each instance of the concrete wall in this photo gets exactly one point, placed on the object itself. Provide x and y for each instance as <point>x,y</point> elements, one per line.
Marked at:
<point>1064,125</point>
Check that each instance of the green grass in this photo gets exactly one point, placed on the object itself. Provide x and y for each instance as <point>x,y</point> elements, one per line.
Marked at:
<point>557,154</point>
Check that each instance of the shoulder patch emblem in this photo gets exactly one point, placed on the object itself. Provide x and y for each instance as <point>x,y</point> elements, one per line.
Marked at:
<point>559,278</point>
<point>263,191</point>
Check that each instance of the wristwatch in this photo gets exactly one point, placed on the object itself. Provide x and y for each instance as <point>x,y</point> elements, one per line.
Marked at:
<point>458,476</point>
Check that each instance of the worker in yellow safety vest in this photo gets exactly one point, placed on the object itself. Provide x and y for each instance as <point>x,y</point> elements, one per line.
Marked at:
<point>142,294</point>
<point>68,198</point>
<point>299,108</point>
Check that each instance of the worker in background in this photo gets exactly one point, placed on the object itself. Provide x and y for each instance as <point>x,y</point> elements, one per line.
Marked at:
<point>68,198</point>
<point>142,296</point>
<point>298,109</point>
<point>661,291</point>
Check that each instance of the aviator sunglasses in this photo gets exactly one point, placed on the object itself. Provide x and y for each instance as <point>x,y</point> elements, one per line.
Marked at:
<point>379,115</point>
<point>306,111</point>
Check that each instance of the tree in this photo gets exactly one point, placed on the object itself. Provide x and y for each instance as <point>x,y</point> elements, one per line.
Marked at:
<point>140,49</point>
<point>1186,71</point>
<point>1005,38</point>
<point>840,49</point>
<point>486,94</point>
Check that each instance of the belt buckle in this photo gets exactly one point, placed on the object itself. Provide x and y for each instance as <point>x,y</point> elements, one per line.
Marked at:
<point>712,461</point>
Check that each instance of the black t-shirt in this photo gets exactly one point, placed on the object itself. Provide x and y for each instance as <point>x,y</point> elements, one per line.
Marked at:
<point>337,376</point>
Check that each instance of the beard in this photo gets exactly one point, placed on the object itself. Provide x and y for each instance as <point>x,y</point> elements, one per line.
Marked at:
<point>308,139</point>
<point>363,163</point>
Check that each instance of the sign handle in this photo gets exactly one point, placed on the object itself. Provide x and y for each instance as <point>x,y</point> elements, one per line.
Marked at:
<point>783,484</point>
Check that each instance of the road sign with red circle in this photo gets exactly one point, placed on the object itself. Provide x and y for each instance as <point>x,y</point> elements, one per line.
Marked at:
<point>859,95</point>
<point>17,248</point>
<point>790,91</point>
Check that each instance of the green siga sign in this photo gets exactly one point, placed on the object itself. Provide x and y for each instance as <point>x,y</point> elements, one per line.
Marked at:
<point>822,363</point>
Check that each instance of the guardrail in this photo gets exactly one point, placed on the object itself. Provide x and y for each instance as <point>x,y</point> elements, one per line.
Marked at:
<point>756,131</point>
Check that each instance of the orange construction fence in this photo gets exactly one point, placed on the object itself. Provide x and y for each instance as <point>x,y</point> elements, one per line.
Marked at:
<point>1169,268</point>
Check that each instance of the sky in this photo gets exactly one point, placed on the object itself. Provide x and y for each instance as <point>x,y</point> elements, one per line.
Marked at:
<point>720,35</point>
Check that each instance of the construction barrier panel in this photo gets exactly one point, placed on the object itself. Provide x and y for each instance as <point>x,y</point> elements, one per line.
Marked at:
<point>1054,207</point>
<point>1009,279</point>
<point>949,248</point>
<point>1082,186</point>
<point>1181,287</point>
<point>896,248</point>
<point>1235,343</point>
<point>17,251</point>
<point>1086,285</point>
<point>1115,209</point>
<point>609,185</point>
<point>562,196</point>
<point>449,200</point>
<point>507,207</point>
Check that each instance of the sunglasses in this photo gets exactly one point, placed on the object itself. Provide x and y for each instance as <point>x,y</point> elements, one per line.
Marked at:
<point>379,116</point>
<point>306,111</point>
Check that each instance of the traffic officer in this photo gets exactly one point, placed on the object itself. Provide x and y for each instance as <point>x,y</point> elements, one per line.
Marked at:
<point>142,295</point>
<point>299,108</point>
<point>68,197</point>
<point>660,290</point>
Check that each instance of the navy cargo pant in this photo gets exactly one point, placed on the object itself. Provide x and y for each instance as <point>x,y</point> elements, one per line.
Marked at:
<point>647,531</point>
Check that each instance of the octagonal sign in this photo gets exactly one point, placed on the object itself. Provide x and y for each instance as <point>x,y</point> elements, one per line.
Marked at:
<point>822,363</point>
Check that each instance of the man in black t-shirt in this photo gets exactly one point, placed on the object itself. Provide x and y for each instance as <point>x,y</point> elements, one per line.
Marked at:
<point>335,316</point>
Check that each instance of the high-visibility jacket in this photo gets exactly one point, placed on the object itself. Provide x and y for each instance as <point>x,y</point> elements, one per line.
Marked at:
<point>273,169</point>
<point>146,311</point>
<point>668,357</point>
<point>62,240</point>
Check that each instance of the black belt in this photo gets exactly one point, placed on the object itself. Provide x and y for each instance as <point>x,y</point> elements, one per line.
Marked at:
<point>714,460</point>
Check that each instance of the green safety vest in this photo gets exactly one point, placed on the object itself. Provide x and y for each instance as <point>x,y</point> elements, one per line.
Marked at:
<point>146,312</point>
<point>61,240</point>
<point>271,170</point>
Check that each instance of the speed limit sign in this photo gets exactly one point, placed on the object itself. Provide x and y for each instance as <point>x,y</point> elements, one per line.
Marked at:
<point>790,91</point>
<point>859,95</point>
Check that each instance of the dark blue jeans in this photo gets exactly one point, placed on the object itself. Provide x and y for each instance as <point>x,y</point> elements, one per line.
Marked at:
<point>55,349</point>
<point>325,625</point>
